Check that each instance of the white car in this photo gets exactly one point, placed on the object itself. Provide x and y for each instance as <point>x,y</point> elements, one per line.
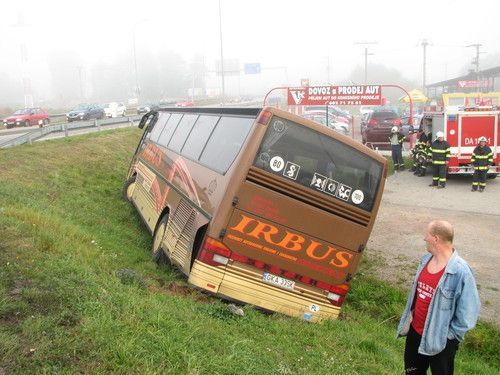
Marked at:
<point>114,109</point>
<point>366,109</point>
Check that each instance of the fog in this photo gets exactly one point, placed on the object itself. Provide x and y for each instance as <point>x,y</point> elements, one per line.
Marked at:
<point>63,53</point>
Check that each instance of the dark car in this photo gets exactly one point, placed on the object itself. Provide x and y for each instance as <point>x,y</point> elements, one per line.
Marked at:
<point>85,112</point>
<point>27,117</point>
<point>377,126</point>
<point>145,108</point>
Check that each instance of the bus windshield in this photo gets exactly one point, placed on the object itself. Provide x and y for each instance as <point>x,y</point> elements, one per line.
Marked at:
<point>316,161</point>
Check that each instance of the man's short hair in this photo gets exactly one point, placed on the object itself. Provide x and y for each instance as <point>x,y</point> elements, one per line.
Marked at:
<point>443,229</point>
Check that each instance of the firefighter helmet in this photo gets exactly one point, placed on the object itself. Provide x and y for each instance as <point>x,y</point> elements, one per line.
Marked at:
<point>439,134</point>
<point>482,139</point>
<point>394,129</point>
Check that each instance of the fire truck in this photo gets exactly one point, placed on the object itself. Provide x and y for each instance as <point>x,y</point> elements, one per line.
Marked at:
<point>462,128</point>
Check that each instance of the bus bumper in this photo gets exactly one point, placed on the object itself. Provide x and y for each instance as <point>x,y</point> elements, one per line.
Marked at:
<point>244,283</point>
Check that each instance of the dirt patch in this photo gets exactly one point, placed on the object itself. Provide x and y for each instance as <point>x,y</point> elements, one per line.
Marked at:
<point>179,288</point>
<point>409,205</point>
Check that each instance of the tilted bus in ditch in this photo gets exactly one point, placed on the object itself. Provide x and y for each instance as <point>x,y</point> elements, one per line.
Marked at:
<point>257,205</point>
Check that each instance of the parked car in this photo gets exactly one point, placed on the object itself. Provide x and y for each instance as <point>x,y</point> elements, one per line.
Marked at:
<point>27,117</point>
<point>366,109</point>
<point>184,104</point>
<point>407,128</point>
<point>145,108</point>
<point>85,112</point>
<point>114,109</point>
<point>377,126</point>
<point>343,116</point>
<point>320,118</point>
<point>331,116</point>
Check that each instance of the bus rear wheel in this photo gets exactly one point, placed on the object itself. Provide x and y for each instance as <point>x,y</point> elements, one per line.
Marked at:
<point>128,189</point>
<point>157,253</point>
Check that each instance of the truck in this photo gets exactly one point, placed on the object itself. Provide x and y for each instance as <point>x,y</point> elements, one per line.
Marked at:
<point>462,129</point>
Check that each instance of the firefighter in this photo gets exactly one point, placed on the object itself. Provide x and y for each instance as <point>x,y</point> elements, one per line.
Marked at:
<point>481,159</point>
<point>439,154</point>
<point>420,152</point>
<point>396,141</point>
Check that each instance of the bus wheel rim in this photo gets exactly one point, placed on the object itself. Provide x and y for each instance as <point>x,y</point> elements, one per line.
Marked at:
<point>130,190</point>
<point>159,237</point>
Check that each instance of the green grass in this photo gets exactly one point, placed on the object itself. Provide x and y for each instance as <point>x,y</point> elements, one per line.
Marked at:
<point>79,294</point>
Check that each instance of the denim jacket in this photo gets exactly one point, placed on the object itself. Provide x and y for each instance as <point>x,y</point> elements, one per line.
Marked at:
<point>453,310</point>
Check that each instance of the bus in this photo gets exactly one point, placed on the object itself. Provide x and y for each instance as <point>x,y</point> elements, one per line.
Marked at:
<point>257,205</point>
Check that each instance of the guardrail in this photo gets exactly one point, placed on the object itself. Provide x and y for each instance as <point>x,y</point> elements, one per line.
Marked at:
<point>33,135</point>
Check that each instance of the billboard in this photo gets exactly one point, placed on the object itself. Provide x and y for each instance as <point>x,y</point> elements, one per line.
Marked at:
<point>252,68</point>
<point>335,95</point>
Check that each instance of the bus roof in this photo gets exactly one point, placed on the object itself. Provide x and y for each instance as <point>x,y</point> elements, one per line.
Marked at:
<point>251,112</point>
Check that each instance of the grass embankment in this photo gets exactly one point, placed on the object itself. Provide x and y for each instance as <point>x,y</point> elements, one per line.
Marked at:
<point>79,294</point>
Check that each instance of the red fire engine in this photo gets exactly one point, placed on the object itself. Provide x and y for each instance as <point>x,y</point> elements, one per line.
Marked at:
<point>462,128</point>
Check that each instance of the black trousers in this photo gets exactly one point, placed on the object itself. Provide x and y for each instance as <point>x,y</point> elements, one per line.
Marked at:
<point>417,364</point>
<point>479,178</point>
<point>439,174</point>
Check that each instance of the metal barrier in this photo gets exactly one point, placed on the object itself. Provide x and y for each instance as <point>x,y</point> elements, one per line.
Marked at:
<point>33,135</point>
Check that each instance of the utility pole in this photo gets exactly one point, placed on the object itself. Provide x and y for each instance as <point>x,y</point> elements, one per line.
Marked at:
<point>221,55</point>
<point>366,57</point>
<point>26,80</point>
<point>424,44</point>
<point>475,61</point>
<point>80,77</point>
<point>328,70</point>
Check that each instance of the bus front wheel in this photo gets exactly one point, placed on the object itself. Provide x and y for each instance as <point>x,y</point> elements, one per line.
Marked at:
<point>128,189</point>
<point>157,253</point>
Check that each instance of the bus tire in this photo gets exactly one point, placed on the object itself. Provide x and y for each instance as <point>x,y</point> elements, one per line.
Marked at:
<point>128,189</point>
<point>158,255</point>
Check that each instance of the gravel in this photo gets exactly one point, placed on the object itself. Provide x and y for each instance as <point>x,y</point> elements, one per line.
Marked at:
<point>409,204</point>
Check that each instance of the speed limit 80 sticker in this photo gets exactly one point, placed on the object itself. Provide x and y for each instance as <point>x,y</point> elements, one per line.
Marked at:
<point>277,163</point>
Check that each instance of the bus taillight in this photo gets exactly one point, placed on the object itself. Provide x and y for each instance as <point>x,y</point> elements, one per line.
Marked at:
<point>214,253</point>
<point>337,293</point>
<point>264,117</point>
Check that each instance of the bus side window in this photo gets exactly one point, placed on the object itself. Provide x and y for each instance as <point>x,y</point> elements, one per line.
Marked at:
<point>158,126</point>
<point>225,142</point>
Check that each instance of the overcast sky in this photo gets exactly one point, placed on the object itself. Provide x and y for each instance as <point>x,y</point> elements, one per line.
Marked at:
<point>303,36</point>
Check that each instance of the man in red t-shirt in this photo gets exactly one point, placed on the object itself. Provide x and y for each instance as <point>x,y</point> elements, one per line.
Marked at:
<point>442,306</point>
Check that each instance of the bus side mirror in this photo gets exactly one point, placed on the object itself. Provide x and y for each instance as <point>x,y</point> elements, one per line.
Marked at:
<point>143,121</point>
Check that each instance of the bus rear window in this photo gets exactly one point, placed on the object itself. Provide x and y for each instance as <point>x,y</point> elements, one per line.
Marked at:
<point>314,160</point>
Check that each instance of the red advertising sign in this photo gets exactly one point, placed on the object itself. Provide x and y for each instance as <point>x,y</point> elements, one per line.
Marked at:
<point>467,84</point>
<point>335,95</point>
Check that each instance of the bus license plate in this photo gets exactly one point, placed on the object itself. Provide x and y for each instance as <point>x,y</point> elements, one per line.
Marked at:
<point>278,281</point>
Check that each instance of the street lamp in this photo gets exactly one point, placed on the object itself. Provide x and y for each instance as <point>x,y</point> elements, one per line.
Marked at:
<point>221,54</point>
<point>137,88</point>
